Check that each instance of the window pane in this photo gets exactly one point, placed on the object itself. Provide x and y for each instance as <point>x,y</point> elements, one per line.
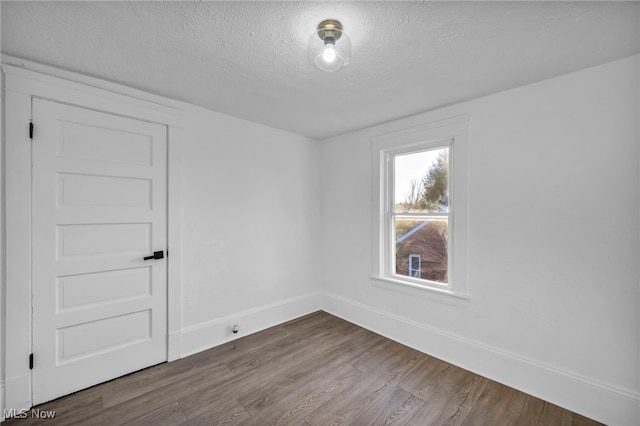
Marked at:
<point>421,248</point>
<point>415,265</point>
<point>422,181</point>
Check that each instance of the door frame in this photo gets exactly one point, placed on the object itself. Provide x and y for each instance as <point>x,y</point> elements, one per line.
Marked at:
<point>22,83</point>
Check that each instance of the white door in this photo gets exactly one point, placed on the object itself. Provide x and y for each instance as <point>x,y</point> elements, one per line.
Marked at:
<point>99,207</point>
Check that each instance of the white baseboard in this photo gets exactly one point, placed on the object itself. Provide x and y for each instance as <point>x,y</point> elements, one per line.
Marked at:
<point>216,332</point>
<point>174,345</point>
<point>593,399</point>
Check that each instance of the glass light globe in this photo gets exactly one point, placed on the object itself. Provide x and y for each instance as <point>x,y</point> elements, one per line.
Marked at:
<point>329,49</point>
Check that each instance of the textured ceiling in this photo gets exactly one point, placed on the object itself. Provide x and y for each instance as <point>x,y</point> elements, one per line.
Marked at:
<point>248,59</point>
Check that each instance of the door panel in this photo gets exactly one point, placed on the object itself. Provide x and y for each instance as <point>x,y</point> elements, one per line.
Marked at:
<point>103,191</point>
<point>80,290</point>
<point>111,145</point>
<point>103,239</point>
<point>99,206</point>
<point>113,332</point>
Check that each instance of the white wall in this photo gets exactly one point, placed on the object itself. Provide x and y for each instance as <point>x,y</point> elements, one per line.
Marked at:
<point>553,241</point>
<point>251,219</point>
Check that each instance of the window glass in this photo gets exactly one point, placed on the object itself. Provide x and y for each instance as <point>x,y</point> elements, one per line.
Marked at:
<point>421,181</point>
<point>426,238</point>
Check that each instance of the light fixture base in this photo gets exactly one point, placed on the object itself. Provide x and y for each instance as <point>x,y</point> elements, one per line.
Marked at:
<point>330,28</point>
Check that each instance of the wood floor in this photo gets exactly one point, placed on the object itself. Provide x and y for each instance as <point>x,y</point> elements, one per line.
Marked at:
<point>315,370</point>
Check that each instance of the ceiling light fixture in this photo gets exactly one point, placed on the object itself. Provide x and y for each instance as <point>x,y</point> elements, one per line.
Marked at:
<point>329,46</point>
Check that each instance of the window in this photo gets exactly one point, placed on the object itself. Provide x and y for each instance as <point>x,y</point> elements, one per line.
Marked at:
<point>419,203</point>
<point>419,211</point>
<point>414,265</point>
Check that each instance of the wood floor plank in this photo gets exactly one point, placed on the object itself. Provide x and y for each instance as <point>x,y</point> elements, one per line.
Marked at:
<point>399,365</point>
<point>578,420</point>
<point>443,404</point>
<point>313,320</point>
<point>131,409</point>
<point>287,351</point>
<point>342,326</point>
<point>532,411</point>
<point>196,404</point>
<point>469,403</point>
<point>168,415</point>
<point>498,404</point>
<point>214,412</point>
<point>315,370</point>
<point>361,342</point>
<point>346,406</point>
<point>425,378</point>
<point>289,382</point>
<point>141,382</point>
<point>255,386</point>
<point>515,407</point>
<point>133,385</point>
<point>396,407</point>
<point>554,415</point>
<point>369,361</point>
<point>293,408</point>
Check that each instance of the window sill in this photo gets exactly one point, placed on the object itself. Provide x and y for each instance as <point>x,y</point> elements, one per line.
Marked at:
<point>416,290</point>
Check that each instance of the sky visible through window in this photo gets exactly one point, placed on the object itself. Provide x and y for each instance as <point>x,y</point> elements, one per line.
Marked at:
<point>409,167</point>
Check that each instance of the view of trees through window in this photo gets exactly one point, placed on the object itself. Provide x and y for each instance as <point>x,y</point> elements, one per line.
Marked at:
<point>421,214</point>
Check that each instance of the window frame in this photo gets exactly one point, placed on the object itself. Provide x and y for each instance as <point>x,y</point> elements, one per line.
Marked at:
<point>452,133</point>
<point>389,242</point>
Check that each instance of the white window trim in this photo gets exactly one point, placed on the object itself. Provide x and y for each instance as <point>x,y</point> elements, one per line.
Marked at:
<point>433,134</point>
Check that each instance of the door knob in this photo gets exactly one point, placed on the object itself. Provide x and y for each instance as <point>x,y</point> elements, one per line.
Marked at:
<point>155,255</point>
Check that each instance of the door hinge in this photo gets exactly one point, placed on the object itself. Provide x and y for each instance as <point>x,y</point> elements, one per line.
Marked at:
<point>30,361</point>
<point>31,130</point>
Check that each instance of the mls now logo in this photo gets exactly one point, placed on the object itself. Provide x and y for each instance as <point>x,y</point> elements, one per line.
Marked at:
<point>35,413</point>
<point>15,414</point>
